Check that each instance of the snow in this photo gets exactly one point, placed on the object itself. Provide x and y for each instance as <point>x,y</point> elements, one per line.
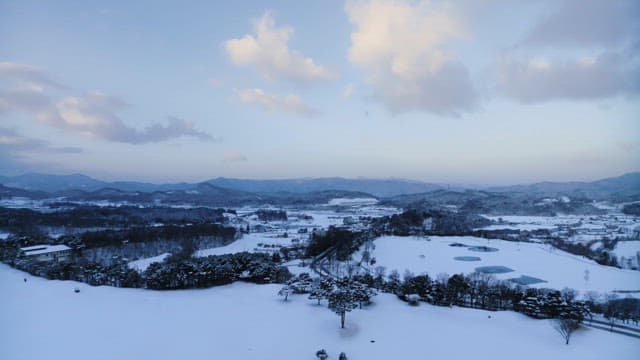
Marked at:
<point>45,319</point>
<point>527,227</point>
<point>248,242</point>
<point>143,264</point>
<point>627,248</point>
<point>4,235</point>
<point>352,201</point>
<point>43,249</point>
<point>560,269</point>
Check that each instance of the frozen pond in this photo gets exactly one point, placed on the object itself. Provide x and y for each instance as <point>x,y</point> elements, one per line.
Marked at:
<point>467,258</point>
<point>483,249</point>
<point>527,280</point>
<point>496,269</point>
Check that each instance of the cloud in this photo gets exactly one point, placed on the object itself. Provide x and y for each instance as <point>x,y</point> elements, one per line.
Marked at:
<point>96,115</point>
<point>402,48</point>
<point>12,141</point>
<point>27,76</point>
<point>348,91</point>
<point>16,149</point>
<point>587,23</point>
<point>268,52</point>
<point>579,50</point>
<point>537,80</point>
<point>290,103</point>
<point>234,157</point>
<point>27,89</point>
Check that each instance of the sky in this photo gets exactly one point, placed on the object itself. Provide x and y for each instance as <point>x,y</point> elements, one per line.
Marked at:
<point>483,92</point>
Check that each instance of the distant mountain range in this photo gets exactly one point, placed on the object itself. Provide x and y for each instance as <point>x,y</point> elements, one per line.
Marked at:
<point>78,186</point>
<point>620,188</point>
<point>59,183</point>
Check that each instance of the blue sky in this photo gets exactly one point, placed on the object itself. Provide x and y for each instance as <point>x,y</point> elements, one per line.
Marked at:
<point>490,92</point>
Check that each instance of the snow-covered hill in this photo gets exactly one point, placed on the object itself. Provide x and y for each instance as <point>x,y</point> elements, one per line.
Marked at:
<point>44,319</point>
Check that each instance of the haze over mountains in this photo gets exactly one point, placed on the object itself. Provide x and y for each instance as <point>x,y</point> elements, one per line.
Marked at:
<point>621,188</point>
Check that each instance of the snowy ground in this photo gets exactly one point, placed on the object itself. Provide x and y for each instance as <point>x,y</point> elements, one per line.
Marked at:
<point>44,319</point>
<point>627,248</point>
<point>353,201</point>
<point>143,264</point>
<point>558,268</point>
<point>250,243</point>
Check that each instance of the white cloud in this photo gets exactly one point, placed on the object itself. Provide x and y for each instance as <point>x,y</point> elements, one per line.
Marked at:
<point>234,156</point>
<point>290,103</point>
<point>267,50</point>
<point>28,89</point>
<point>348,91</point>
<point>403,48</point>
<point>96,115</point>
<point>535,80</point>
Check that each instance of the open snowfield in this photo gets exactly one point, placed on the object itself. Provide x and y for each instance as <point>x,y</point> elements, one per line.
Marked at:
<point>558,268</point>
<point>248,242</point>
<point>627,248</point>
<point>44,319</point>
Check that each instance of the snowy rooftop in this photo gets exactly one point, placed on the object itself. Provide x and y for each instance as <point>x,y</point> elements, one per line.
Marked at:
<point>43,249</point>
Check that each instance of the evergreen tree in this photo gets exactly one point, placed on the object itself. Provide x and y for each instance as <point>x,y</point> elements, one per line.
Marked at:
<point>343,299</point>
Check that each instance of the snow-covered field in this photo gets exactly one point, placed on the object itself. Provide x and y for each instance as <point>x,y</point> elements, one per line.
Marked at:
<point>44,319</point>
<point>558,268</point>
<point>143,264</point>
<point>248,242</point>
<point>627,248</point>
<point>353,201</point>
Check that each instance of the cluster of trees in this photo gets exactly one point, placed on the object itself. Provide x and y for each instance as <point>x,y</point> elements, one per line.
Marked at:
<point>142,234</point>
<point>478,290</point>
<point>176,272</point>
<point>601,255</point>
<point>271,215</point>
<point>632,209</point>
<point>552,304</point>
<point>117,274</point>
<point>342,295</point>
<point>73,216</point>
<point>410,222</point>
<point>342,241</point>
<point>626,310</point>
<point>215,270</point>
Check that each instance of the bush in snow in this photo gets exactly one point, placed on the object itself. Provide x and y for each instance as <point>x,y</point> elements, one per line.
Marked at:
<point>322,354</point>
<point>285,292</point>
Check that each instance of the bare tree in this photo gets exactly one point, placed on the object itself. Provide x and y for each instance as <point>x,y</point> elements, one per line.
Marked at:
<point>285,292</point>
<point>566,327</point>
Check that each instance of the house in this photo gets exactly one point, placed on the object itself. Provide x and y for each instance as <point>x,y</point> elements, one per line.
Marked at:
<point>51,253</point>
<point>427,224</point>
